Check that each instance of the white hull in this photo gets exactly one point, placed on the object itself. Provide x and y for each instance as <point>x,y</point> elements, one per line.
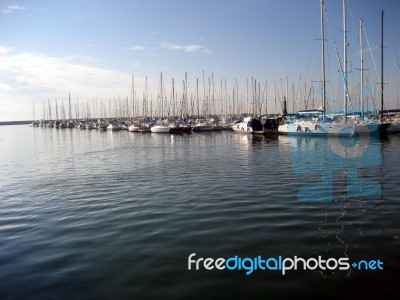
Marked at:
<point>242,127</point>
<point>112,127</point>
<point>160,129</point>
<point>133,128</point>
<point>311,128</point>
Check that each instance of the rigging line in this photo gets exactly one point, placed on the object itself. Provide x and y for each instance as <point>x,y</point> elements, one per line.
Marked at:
<point>370,53</point>
<point>310,56</point>
<point>372,96</point>
<point>391,41</point>
<point>338,57</point>
<point>354,24</point>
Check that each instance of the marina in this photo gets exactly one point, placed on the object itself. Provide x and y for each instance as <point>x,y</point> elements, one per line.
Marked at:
<point>199,150</point>
<point>103,214</point>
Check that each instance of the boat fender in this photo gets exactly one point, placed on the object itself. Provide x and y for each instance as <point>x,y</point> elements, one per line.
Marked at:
<point>242,129</point>
<point>298,128</point>
<point>316,126</point>
<point>306,129</point>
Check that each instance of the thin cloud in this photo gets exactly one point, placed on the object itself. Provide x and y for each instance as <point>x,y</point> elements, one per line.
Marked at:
<point>16,7</point>
<point>12,8</point>
<point>137,48</point>
<point>27,76</point>
<point>192,48</point>
<point>83,58</point>
<point>4,50</point>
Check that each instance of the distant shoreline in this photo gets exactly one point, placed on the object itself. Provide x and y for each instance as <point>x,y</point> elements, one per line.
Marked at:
<point>15,122</point>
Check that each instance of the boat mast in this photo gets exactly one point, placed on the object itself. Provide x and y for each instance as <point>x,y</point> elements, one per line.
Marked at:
<point>133,98</point>
<point>362,69</point>
<point>69,106</point>
<point>33,110</point>
<point>287,92</point>
<point>197,98</point>
<point>323,60</point>
<point>381,116</point>
<point>161,95</point>
<point>345,44</point>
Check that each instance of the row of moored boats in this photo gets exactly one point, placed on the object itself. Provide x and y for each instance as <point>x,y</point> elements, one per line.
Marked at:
<point>307,122</point>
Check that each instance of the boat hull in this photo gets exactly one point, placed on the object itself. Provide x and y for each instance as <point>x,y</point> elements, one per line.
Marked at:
<point>366,128</point>
<point>160,129</point>
<point>113,128</point>
<point>133,128</point>
<point>309,128</point>
<point>202,128</point>
<point>175,129</point>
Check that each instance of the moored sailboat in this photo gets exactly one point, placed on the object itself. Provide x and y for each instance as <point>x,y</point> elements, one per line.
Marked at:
<point>316,124</point>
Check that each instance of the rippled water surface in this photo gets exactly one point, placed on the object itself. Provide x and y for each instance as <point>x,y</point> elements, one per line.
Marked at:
<point>106,215</point>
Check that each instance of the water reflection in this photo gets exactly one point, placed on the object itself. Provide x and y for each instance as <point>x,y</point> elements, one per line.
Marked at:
<point>181,194</point>
<point>341,178</point>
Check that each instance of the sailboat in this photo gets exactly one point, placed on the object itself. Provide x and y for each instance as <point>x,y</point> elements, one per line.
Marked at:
<point>364,125</point>
<point>34,122</point>
<point>383,126</point>
<point>315,123</point>
<point>161,127</point>
<point>133,127</point>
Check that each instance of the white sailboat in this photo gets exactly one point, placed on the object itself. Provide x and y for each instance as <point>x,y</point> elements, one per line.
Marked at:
<point>114,126</point>
<point>34,122</point>
<point>317,124</point>
<point>161,127</point>
<point>364,125</point>
<point>248,125</point>
<point>133,127</point>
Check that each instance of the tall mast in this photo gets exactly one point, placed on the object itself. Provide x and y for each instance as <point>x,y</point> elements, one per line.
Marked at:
<point>69,106</point>
<point>287,92</point>
<point>381,116</point>
<point>145,100</point>
<point>56,110</point>
<point>266,98</point>
<point>197,98</point>
<point>323,60</point>
<point>133,97</point>
<point>345,44</point>
<point>161,95</point>
<point>33,110</point>
<point>362,69</point>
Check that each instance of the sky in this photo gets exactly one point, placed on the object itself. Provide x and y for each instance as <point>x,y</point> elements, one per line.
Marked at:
<point>91,49</point>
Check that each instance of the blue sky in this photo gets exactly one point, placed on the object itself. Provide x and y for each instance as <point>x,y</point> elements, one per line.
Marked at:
<point>92,48</point>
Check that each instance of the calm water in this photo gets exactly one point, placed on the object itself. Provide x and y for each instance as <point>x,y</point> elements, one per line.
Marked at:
<point>106,215</point>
